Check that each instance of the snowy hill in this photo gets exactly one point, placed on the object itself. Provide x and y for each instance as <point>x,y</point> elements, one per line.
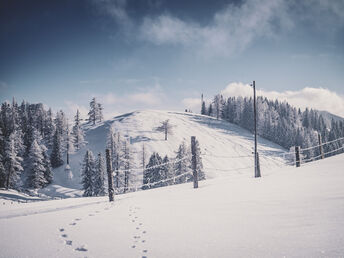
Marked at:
<point>291,212</point>
<point>227,148</point>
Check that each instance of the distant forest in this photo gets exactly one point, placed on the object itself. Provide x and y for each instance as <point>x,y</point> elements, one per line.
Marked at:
<point>277,121</point>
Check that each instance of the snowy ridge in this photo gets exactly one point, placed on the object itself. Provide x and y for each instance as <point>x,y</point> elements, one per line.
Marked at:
<point>226,148</point>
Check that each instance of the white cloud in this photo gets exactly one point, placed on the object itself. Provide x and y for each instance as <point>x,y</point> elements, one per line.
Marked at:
<point>231,29</point>
<point>73,107</point>
<point>146,98</point>
<point>115,9</point>
<point>318,98</point>
<point>194,104</point>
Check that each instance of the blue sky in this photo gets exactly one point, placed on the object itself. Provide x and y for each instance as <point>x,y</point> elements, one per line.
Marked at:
<point>164,54</point>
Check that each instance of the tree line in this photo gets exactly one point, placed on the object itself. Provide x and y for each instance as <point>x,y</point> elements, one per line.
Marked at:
<point>277,121</point>
<point>33,141</point>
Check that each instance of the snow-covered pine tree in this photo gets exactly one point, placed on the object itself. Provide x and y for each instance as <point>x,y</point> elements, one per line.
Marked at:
<point>70,145</point>
<point>49,129</point>
<point>166,171</point>
<point>2,172</point>
<point>12,163</point>
<point>199,163</point>
<point>182,164</point>
<point>99,176</point>
<point>203,109</point>
<point>78,133</point>
<point>118,159</point>
<point>126,163</point>
<point>36,167</point>
<point>166,128</point>
<point>87,173</point>
<point>152,173</point>
<point>95,114</point>
<point>56,153</point>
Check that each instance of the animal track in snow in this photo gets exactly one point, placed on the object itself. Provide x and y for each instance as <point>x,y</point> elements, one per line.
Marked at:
<point>81,248</point>
<point>64,235</point>
<point>69,242</point>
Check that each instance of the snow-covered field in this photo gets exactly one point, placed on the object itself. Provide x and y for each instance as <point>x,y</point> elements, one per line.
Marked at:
<point>222,144</point>
<point>289,212</point>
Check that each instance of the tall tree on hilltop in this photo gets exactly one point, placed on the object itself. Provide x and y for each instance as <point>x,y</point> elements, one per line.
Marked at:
<point>95,114</point>
<point>166,128</point>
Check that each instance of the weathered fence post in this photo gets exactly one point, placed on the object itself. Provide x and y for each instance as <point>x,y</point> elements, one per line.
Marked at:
<point>297,156</point>
<point>110,177</point>
<point>194,161</point>
<point>320,146</point>
<point>258,166</point>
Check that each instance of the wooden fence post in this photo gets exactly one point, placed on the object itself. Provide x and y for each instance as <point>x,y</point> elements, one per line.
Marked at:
<point>258,166</point>
<point>297,156</point>
<point>194,161</point>
<point>110,177</point>
<point>321,146</point>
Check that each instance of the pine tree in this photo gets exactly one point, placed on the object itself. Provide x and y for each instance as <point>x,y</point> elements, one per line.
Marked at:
<point>182,164</point>
<point>126,163</point>
<point>199,164</point>
<point>78,133</point>
<point>166,171</point>
<point>56,154</point>
<point>99,177</point>
<point>203,109</point>
<point>12,163</point>
<point>152,173</point>
<point>95,114</point>
<point>36,167</point>
<point>87,173</point>
<point>48,173</point>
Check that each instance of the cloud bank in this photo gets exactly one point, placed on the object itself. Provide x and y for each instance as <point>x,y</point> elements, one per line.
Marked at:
<point>231,29</point>
<point>316,98</point>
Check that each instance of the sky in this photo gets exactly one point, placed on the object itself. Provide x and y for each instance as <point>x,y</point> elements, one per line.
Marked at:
<point>156,54</point>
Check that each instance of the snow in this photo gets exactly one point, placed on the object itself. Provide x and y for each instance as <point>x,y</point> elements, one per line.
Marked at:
<point>289,212</point>
<point>218,139</point>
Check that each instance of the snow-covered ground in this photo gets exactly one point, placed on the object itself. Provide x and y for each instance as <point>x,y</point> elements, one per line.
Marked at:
<point>222,144</point>
<point>289,212</point>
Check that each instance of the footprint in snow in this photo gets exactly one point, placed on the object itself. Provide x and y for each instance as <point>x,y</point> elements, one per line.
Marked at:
<point>77,219</point>
<point>90,214</point>
<point>145,251</point>
<point>64,235</point>
<point>69,242</point>
<point>81,249</point>
<point>61,229</point>
<point>72,224</point>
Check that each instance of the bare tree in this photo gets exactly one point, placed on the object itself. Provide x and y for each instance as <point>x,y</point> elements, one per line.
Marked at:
<point>166,128</point>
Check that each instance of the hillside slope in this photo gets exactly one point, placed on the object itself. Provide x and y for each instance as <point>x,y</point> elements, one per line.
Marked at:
<point>223,144</point>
